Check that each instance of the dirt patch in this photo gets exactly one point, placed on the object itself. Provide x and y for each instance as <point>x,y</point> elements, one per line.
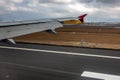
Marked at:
<point>76,36</point>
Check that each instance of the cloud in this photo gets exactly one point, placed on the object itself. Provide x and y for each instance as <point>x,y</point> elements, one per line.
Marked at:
<point>55,1</point>
<point>100,10</point>
<point>101,3</point>
<point>17,1</point>
<point>108,1</point>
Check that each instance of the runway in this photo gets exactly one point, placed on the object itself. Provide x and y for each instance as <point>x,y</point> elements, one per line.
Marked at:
<point>47,62</point>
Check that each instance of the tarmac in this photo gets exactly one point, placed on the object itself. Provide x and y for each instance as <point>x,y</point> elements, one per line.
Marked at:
<point>46,62</point>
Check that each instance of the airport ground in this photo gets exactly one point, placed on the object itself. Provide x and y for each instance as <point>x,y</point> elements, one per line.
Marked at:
<point>28,60</point>
<point>76,35</point>
<point>45,62</point>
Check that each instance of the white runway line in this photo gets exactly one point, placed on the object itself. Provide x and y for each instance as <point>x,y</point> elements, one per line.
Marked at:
<point>61,52</point>
<point>102,76</point>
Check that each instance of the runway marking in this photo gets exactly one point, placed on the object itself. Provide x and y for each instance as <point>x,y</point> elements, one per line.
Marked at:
<point>102,76</point>
<point>61,52</point>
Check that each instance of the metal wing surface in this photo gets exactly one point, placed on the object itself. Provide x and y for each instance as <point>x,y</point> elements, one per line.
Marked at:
<point>13,29</point>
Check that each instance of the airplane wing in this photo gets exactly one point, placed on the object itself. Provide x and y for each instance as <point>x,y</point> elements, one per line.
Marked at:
<point>8,30</point>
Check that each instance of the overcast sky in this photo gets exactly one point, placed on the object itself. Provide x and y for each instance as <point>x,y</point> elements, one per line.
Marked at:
<point>97,10</point>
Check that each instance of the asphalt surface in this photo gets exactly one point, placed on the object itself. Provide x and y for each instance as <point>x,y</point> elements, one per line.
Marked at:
<point>45,62</point>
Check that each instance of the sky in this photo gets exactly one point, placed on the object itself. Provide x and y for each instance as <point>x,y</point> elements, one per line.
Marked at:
<point>97,10</point>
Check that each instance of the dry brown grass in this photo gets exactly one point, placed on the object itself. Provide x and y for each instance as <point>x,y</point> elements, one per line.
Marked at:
<point>74,36</point>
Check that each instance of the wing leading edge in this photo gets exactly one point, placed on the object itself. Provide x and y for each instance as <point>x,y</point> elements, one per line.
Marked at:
<point>23,29</point>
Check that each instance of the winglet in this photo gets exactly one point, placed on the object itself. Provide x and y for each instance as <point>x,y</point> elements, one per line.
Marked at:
<point>81,18</point>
